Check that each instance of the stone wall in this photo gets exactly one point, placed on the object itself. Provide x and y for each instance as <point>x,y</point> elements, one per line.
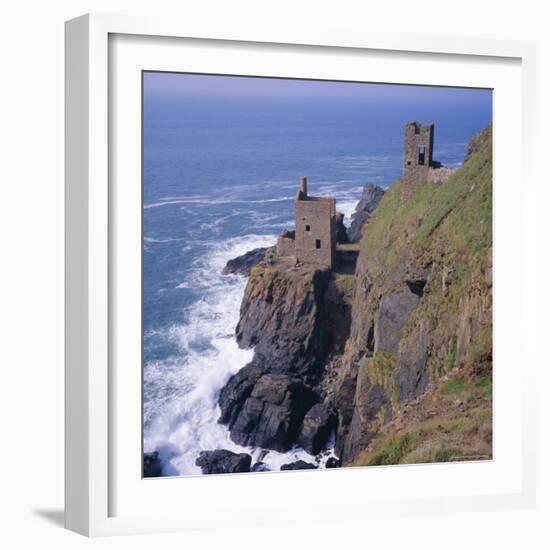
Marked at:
<point>315,240</point>
<point>285,244</point>
<point>418,156</point>
<point>440,175</point>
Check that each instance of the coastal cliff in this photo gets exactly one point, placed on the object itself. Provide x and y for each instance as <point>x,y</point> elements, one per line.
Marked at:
<point>395,357</point>
<point>422,306</point>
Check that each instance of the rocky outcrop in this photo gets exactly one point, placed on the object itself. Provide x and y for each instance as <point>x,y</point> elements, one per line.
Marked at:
<point>151,465</point>
<point>440,174</point>
<point>372,194</point>
<point>283,318</point>
<point>223,461</point>
<point>341,231</point>
<point>317,426</point>
<point>272,415</point>
<point>333,462</point>
<point>423,296</point>
<point>241,265</point>
<point>345,352</point>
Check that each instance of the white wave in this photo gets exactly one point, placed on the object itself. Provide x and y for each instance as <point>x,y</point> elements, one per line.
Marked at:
<point>180,405</point>
<point>209,200</point>
<point>274,460</point>
<point>167,240</point>
<point>347,208</point>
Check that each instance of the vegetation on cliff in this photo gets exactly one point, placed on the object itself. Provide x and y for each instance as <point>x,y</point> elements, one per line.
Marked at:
<point>422,308</point>
<point>396,354</point>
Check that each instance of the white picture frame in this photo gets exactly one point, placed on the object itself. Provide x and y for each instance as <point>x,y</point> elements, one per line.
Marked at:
<point>96,389</point>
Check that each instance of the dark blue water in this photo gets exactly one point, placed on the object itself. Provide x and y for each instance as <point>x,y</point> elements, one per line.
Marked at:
<point>220,174</point>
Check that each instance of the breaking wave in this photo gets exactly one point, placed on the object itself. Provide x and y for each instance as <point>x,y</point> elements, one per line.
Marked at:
<point>181,392</point>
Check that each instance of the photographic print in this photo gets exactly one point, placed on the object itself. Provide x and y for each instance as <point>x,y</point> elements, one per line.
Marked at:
<point>317,274</point>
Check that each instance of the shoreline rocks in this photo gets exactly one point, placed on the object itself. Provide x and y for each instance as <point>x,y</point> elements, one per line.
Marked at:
<point>371,197</point>
<point>271,417</point>
<point>241,265</point>
<point>282,317</point>
<point>317,426</point>
<point>151,465</point>
<point>222,461</point>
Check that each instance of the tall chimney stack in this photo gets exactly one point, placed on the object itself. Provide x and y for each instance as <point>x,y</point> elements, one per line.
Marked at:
<point>303,185</point>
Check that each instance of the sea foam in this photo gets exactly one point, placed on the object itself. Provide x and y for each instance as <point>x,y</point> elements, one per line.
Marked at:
<point>181,408</point>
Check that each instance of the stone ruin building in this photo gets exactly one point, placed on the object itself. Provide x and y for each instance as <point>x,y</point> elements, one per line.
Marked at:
<point>314,239</point>
<point>418,164</point>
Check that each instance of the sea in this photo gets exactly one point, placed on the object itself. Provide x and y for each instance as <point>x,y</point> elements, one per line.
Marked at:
<point>220,172</point>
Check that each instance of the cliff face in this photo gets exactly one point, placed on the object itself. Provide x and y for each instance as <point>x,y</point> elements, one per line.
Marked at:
<point>352,351</point>
<point>370,198</point>
<point>282,318</point>
<point>270,403</point>
<point>423,302</point>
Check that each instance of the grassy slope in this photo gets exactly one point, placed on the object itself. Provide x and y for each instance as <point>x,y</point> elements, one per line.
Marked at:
<point>457,214</point>
<point>453,419</point>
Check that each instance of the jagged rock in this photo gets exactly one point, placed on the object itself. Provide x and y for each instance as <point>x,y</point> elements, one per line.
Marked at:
<point>416,286</point>
<point>422,304</point>
<point>372,194</point>
<point>412,377</point>
<point>272,415</point>
<point>333,462</point>
<point>393,312</point>
<point>241,265</point>
<point>282,318</point>
<point>372,409</point>
<point>317,425</point>
<point>341,231</point>
<point>223,461</point>
<point>298,465</point>
<point>151,465</point>
<point>236,392</point>
<point>418,304</point>
<point>259,467</point>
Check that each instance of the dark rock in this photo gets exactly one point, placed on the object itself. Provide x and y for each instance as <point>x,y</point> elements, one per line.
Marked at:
<point>333,462</point>
<point>282,317</point>
<point>371,402</point>
<point>298,465</point>
<point>411,375</point>
<point>341,231</point>
<point>223,461</point>
<point>393,312</point>
<point>151,465</point>
<point>272,415</point>
<point>416,286</point>
<point>241,265</point>
<point>236,392</point>
<point>372,194</point>
<point>317,425</point>
<point>259,467</point>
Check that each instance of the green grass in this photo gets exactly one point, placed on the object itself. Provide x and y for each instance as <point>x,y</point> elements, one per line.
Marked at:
<point>451,355</point>
<point>345,285</point>
<point>441,430</point>
<point>396,449</point>
<point>455,217</point>
<point>455,386</point>
<point>446,230</point>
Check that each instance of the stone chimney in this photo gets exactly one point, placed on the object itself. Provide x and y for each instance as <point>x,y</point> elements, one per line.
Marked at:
<point>303,186</point>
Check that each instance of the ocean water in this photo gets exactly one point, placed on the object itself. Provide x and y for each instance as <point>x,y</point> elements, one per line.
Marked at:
<point>220,173</point>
